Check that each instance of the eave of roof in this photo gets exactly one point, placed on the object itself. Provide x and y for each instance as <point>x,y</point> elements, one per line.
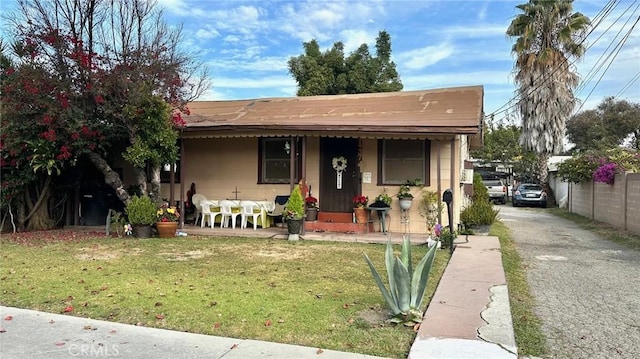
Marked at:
<point>441,111</point>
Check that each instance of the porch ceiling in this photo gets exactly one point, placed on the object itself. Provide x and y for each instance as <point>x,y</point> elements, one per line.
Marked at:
<point>391,114</point>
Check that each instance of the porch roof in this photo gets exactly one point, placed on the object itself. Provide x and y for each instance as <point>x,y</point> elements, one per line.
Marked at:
<point>446,111</point>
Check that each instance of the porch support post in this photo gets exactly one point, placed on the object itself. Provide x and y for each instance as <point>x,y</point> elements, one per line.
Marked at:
<point>452,183</point>
<point>439,177</point>
<point>172,182</point>
<point>292,162</point>
<point>303,154</point>
<point>303,170</point>
<point>182,167</point>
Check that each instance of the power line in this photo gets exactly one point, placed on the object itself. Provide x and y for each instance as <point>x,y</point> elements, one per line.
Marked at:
<point>628,85</point>
<point>619,47</point>
<point>598,64</point>
<point>598,19</point>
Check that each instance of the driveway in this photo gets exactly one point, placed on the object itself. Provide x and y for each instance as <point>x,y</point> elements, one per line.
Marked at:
<point>587,289</point>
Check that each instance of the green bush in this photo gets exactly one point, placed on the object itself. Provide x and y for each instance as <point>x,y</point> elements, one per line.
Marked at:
<point>480,212</point>
<point>141,211</point>
<point>295,205</point>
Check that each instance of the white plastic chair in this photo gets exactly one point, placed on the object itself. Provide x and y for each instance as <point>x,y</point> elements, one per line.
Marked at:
<point>205,206</point>
<point>250,209</point>
<point>195,201</point>
<point>226,208</point>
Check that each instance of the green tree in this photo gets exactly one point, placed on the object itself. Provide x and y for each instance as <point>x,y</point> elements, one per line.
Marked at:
<point>89,79</point>
<point>608,126</point>
<point>330,73</point>
<point>501,144</point>
<point>547,37</point>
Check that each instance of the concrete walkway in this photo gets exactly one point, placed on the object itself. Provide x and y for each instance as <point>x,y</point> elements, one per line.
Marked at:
<point>469,318</point>
<point>469,315</point>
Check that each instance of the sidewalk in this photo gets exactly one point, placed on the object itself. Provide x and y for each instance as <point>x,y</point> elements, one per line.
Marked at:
<point>32,334</point>
<point>469,317</point>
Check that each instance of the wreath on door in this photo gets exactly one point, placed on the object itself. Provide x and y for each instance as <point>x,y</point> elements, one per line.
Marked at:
<point>339,163</point>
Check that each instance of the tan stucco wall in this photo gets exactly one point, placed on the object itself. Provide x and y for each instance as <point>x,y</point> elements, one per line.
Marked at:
<point>417,223</point>
<point>218,165</point>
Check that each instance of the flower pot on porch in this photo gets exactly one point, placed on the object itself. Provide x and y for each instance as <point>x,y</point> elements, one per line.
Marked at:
<point>166,229</point>
<point>141,231</point>
<point>294,226</point>
<point>361,214</point>
<point>405,203</point>
<point>312,214</point>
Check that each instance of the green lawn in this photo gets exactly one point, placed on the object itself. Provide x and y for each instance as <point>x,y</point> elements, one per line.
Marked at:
<point>526,326</point>
<point>318,294</point>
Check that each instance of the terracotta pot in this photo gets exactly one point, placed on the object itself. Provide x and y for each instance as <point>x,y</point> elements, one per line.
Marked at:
<point>167,229</point>
<point>361,215</point>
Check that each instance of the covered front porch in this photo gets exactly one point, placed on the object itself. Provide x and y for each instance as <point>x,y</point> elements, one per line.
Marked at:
<point>338,147</point>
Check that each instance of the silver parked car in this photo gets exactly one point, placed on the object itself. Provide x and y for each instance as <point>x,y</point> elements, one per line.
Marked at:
<point>497,190</point>
<point>528,194</point>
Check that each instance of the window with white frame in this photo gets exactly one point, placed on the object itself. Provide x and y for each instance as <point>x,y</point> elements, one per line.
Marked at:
<point>403,160</point>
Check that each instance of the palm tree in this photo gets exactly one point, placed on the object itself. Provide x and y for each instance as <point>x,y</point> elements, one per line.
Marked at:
<point>548,35</point>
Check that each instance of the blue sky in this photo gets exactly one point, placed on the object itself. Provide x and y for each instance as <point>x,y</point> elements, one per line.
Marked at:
<point>246,44</point>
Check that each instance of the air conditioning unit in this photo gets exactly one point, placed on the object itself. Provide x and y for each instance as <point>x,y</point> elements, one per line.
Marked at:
<point>466,176</point>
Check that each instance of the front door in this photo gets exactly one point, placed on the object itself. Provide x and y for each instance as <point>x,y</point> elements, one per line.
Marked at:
<point>337,191</point>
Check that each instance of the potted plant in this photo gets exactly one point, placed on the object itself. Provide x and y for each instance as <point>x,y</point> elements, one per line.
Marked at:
<point>359,203</point>
<point>430,208</point>
<point>382,200</point>
<point>141,212</point>
<point>167,221</point>
<point>294,213</point>
<point>405,197</point>
<point>311,204</point>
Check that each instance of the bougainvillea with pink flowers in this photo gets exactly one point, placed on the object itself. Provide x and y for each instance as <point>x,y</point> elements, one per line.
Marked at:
<point>599,166</point>
<point>605,173</point>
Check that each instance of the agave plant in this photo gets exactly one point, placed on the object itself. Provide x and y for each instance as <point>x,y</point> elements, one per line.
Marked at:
<point>406,285</point>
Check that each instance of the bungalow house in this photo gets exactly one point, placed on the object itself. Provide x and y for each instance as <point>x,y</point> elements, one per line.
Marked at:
<point>340,145</point>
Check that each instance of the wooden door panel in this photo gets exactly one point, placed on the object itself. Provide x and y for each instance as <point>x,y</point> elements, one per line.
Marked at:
<point>333,199</point>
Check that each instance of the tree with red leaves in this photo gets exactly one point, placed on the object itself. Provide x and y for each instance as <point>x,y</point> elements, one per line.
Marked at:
<point>94,80</point>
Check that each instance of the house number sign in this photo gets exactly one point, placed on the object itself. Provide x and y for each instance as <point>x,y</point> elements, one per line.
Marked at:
<point>339,165</point>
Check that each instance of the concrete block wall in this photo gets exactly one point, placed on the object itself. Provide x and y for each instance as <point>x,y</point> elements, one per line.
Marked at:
<point>617,204</point>
<point>609,200</point>
<point>633,202</point>
<point>581,199</point>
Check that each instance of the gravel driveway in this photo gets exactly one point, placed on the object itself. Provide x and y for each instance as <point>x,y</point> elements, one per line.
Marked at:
<point>587,289</point>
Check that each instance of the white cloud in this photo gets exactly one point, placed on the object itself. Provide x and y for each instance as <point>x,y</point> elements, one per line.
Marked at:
<point>424,57</point>
<point>322,20</point>
<point>208,33</point>
<point>353,38</point>
<point>253,83</point>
